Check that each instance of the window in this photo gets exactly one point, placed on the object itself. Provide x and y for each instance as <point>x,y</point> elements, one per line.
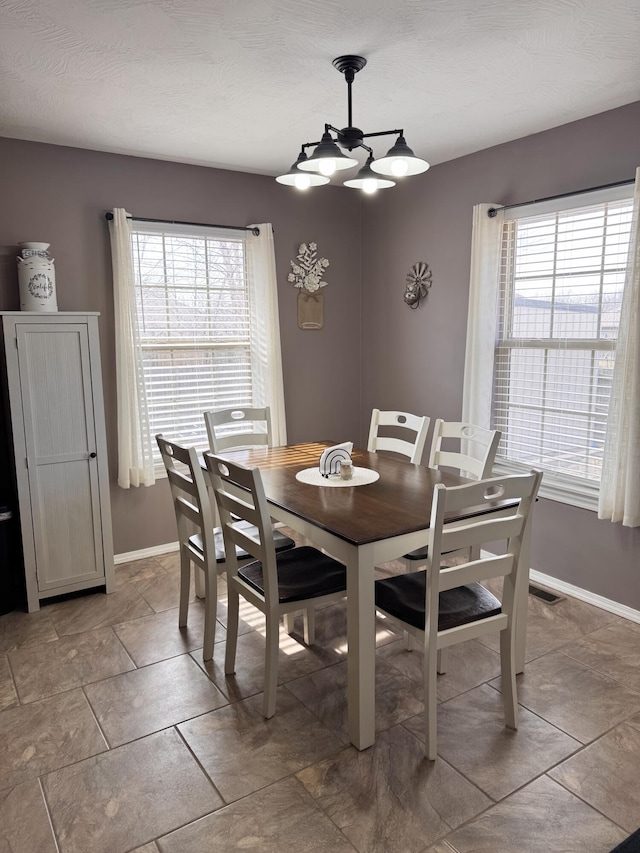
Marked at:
<point>561,279</point>
<point>194,325</point>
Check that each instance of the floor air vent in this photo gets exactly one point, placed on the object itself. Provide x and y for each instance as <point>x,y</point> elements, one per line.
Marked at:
<point>545,595</point>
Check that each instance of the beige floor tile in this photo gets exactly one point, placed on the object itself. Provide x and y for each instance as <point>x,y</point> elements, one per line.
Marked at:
<point>171,560</point>
<point>605,775</point>
<point>331,629</point>
<point>8,695</point>
<point>45,735</point>
<point>473,738</point>
<point>242,752</point>
<point>549,627</point>
<point>126,797</point>
<point>162,694</point>
<point>162,592</point>
<point>541,818</point>
<point>158,637</point>
<point>279,818</point>
<point>251,619</point>
<point>294,660</point>
<point>24,822</point>
<point>612,651</point>
<point>325,693</point>
<point>634,721</point>
<point>583,688</point>
<point>138,570</point>
<point>75,615</point>
<point>22,629</point>
<point>390,799</point>
<point>392,567</point>
<point>573,697</point>
<point>44,670</point>
<point>468,665</point>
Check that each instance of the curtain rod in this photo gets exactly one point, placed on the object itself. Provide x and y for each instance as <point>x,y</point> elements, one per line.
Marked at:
<point>493,210</point>
<point>255,231</point>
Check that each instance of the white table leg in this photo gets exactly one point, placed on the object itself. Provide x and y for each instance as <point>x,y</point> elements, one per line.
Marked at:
<point>522,604</point>
<point>361,658</point>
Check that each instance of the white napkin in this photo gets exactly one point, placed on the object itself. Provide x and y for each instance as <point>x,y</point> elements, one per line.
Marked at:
<point>332,457</point>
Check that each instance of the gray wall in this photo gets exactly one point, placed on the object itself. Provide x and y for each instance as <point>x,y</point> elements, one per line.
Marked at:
<point>385,354</point>
<point>415,359</point>
<point>60,195</point>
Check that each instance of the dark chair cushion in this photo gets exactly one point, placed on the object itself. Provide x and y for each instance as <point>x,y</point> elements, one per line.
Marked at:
<point>403,596</point>
<point>420,554</point>
<point>282,542</point>
<point>302,573</point>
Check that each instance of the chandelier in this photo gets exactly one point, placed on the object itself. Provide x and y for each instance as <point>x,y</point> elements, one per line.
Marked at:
<point>327,158</point>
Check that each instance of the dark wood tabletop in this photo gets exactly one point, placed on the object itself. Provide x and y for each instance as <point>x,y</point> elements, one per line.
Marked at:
<point>397,503</point>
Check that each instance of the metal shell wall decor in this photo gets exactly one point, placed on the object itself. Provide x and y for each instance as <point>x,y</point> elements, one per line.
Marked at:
<point>417,284</point>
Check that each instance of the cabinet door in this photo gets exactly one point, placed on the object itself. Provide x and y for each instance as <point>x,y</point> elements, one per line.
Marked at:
<point>60,440</point>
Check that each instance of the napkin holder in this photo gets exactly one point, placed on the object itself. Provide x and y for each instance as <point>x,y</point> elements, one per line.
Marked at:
<point>333,457</point>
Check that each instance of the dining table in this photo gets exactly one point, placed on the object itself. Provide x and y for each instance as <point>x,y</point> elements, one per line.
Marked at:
<point>362,526</point>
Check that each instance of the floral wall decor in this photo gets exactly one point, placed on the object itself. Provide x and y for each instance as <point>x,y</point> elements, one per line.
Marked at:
<point>417,284</point>
<point>306,275</point>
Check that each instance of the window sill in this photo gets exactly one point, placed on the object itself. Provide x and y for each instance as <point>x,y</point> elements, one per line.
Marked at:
<point>554,487</point>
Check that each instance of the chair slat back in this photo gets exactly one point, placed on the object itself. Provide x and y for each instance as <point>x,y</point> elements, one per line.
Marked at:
<point>477,453</point>
<point>477,533</point>
<point>197,508</point>
<point>457,500</point>
<point>231,429</point>
<point>182,481</point>
<point>239,494</point>
<point>476,571</point>
<point>411,449</point>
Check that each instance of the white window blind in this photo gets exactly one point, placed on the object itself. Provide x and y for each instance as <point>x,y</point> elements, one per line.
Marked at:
<point>194,326</point>
<point>561,282</point>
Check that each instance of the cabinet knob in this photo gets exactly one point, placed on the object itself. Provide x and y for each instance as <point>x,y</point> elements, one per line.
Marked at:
<point>92,455</point>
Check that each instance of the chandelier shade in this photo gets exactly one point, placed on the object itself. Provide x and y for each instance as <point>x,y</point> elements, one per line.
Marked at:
<point>367,180</point>
<point>400,161</point>
<point>328,158</point>
<point>301,180</point>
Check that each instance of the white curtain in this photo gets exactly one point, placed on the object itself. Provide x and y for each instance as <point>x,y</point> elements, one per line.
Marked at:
<point>620,482</point>
<point>483,315</point>
<point>265,328</point>
<point>135,449</point>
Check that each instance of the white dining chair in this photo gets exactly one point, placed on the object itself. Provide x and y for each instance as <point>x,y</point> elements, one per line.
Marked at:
<point>242,426</point>
<point>443,606</point>
<point>413,448</point>
<point>205,546</point>
<point>275,583</point>
<point>473,456</point>
<point>475,450</point>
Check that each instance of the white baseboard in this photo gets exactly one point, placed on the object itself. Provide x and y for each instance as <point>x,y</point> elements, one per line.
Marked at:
<point>584,595</point>
<point>145,553</point>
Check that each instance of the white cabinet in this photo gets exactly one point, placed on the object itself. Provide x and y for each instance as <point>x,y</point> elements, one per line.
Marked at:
<point>54,388</point>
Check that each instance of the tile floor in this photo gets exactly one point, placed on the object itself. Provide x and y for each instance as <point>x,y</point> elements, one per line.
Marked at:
<point>115,737</point>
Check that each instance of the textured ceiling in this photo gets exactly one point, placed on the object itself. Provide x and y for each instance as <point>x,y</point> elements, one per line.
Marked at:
<point>241,84</point>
